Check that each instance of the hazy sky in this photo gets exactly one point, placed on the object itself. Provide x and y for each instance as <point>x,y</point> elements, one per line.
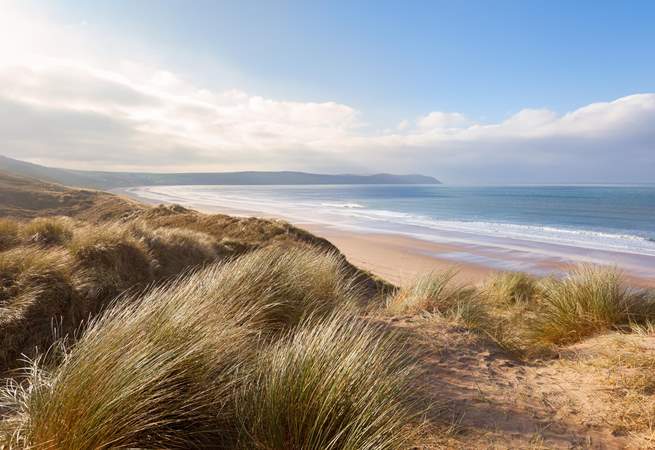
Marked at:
<point>471,92</point>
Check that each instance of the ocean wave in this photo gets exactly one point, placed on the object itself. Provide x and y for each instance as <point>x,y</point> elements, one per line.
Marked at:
<point>343,205</point>
<point>348,214</point>
<point>591,239</point>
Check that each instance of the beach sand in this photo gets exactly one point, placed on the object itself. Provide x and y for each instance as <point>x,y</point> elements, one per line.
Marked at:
<point>400,258</point>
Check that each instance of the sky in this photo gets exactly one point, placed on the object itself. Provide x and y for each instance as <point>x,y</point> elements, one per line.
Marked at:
<point>469,91</point>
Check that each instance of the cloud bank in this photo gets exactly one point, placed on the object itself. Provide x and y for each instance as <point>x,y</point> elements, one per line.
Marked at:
<point>75,111</point>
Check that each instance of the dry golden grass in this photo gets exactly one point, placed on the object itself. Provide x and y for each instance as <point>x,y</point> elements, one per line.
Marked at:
<point>239,235</point>
<point>288,285</point>
<point>339,383</point>
<point>632,383</point>
<point>110,260</point>
<point>588,300</point>
<point>8,234</point>
<point>48,231</point>
<point>625,365</point>
<point>509,288</point>
<point>436,292</point>
<point>185,365</point>
<point>176,249</point>
<point>35,297</point>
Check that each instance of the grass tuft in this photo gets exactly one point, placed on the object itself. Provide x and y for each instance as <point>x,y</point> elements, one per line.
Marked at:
<point>110,260</point>
<point>339,384</point>
<point>9,236</point>
<point>435,292</point>
<point>288,284</point>
<point>35,296</point>
<point>153,372</point>
<point>589,300</point>
<point>509,288</point>
<point>176,249</point>
<point>48,231</point>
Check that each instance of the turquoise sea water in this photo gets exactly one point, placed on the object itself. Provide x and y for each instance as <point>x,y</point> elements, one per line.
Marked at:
<point>557,220</point>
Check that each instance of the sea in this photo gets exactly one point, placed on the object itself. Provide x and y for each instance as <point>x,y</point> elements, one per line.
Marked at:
<point>610,224</point>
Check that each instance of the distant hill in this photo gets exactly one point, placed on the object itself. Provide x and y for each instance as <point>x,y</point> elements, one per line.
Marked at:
<point>26,198</point>
<point>109,180</point>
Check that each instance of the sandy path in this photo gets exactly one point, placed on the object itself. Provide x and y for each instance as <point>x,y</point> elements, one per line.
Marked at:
<point>491,400</point>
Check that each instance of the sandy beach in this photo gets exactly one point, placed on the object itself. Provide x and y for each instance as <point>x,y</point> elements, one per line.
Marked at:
<point>400,259</point>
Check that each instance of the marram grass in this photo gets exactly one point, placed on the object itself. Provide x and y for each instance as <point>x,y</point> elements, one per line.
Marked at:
<point>48,231</point>
<point>590,299</point>
<point>510,288</point>
<point>153,372</point>
<point>176,249</point>
<point>336,384</point>
<point>9,236</point>
<point>435,292</point>
<point>218,359</point>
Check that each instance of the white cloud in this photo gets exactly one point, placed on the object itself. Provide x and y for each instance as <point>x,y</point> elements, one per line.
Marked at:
<point>73,109</point>
<point>441,120</point>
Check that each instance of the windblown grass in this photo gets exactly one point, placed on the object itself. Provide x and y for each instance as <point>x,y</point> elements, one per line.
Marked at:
<point>186,365</point>
<point>435,292</point>
<point>155,372</point>
<point>336,384</point>
<point>287,284</point>
<point>509,288</point>
<point>176,249</point>
<point>110,260</point>
<point>8,234</point>
<point>35,296</point>
<point>589,300</point>
<point>88,265</point>
<point>48,231</point>
<point>22,269</point>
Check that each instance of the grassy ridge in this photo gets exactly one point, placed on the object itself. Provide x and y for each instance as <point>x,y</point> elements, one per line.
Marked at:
<point>182,330</point>
<point>58,272</point>
<point>256,353</point>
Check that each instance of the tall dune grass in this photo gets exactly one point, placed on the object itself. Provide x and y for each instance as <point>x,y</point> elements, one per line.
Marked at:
<point>109,260</point>
<point>509,288</point>
<point>588,300</point>
<point>48,231</point>
<point>436,292</point>
<point>336,384</point>
<point>35,296</point>
<point>69,278</point>
<point>183,365</point>
<point>154,372</point>
<point>290,283</point>
<point>8,234</point>
<point>176,249</point>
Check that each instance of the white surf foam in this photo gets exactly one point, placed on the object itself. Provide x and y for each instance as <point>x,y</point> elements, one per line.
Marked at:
<point>342,205</point>
<point>348,214</point>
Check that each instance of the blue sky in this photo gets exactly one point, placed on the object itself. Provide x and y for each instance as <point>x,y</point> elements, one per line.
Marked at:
<point>487,59</point>
<point>457,87</point>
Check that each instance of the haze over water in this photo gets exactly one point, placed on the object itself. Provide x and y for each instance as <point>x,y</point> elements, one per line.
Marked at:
<point>511,227</point>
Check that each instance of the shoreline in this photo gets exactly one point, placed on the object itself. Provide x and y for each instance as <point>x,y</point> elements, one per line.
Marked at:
<point>400,258</point>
